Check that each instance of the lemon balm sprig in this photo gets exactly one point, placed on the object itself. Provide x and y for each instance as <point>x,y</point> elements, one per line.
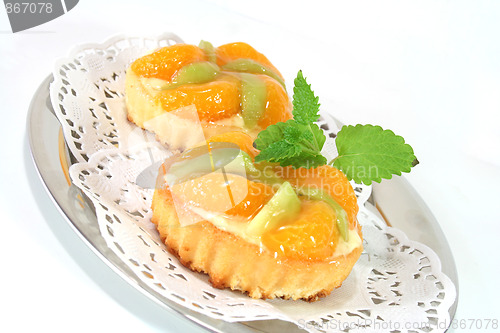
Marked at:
<point>366,153</point>
<point>297,142</point>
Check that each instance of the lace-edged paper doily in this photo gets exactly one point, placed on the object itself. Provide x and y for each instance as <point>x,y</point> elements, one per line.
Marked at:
<point>397,285</point>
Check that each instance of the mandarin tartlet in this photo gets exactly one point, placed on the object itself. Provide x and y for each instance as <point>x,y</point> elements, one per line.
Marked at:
<point>186,93</point>
<point>288,233</point>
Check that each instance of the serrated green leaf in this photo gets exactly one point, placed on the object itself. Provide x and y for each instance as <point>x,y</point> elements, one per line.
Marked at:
<point>318,136</point>
<point>305,104</point>
<point>368,153</point>
<point>304,160</point>
<point>278,151</point>
<point>271,134</point>
<point>293,134</point>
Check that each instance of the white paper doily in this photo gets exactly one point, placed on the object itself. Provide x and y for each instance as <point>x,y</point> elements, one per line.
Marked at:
<point>396,286</point>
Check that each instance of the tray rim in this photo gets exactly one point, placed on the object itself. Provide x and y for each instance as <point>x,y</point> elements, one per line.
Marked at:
<point>36,112</point>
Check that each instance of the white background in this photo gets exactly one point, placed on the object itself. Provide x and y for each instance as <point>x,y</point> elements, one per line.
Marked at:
<point>429,70</point>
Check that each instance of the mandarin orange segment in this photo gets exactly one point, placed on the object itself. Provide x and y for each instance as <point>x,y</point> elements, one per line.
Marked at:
<point>165,62</point>
<point>258,195</point>
<point>214,100</point>
<point>311,235</point>
<point>330,179</point>
<point>232,51</point>
<point>243,140</point>
<point>278,106</point>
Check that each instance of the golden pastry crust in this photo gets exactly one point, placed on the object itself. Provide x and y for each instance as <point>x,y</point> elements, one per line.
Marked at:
<point>234,263</point>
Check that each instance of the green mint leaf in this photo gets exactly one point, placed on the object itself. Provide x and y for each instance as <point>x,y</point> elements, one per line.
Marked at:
<point>304,160</point>
<point>318,136</point>
<point>270,135</point>
<point>368,153</point>
<point>277,142</point>
<point>292,144</point>
<point>299,141</point>
<point>278,151</point>
<point>293,134</point>
<point>305,104</point>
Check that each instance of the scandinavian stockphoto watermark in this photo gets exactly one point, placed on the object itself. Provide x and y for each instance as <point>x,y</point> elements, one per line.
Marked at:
<point>204,175</point>
<point>25,14</point>
<point>398,326</point>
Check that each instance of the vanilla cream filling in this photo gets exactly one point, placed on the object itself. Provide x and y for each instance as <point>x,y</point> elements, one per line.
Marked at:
<point>153,83</point>
<point>344,248</point>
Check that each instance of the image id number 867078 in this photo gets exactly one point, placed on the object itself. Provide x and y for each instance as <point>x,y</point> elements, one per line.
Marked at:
<point>476,323</point>
<point>28,7</point>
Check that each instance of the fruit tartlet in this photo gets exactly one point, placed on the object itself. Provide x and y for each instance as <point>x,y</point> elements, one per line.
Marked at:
<point>186,93</point>
<point>283,232</point>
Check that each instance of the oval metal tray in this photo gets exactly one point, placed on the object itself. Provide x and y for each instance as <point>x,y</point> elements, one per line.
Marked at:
<point>395,201</point>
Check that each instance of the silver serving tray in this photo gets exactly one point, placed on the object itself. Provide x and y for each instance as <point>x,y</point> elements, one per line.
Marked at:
<point>395,201</point>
